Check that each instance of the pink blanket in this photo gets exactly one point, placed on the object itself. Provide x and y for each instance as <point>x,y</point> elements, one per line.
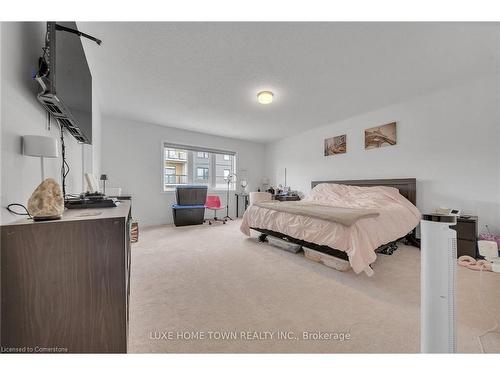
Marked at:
<point>397,217</point>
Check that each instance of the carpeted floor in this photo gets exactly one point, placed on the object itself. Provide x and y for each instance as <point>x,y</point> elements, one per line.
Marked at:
<point>211,289</point>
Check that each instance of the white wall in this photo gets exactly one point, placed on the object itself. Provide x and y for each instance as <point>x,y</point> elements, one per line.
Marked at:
<point>132,159</point>
<point>448,140</point>
<point>22,114</point>
<point>1,117</point>
<point>92,153</point>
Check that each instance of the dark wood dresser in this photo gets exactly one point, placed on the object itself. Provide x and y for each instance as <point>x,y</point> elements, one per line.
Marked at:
<point>65,283</point>
<point>467,234</point>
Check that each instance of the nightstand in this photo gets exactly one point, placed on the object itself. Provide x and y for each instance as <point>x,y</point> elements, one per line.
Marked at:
<point>466,236</point>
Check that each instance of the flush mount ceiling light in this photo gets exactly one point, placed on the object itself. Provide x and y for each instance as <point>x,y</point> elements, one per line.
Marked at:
<point>265,97</point>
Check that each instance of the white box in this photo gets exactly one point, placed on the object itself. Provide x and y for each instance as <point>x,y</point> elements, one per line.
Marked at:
<point>284,245</point>
<point>327,260</point>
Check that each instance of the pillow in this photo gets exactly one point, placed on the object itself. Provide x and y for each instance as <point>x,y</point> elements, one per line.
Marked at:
<point>352,196</point>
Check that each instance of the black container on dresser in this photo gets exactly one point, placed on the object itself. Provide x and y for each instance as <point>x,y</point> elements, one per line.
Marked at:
<point>65,283</point>
<point>284,198</point>
<point>467,234</point>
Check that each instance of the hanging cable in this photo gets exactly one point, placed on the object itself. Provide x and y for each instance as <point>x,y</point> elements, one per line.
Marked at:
<point>16,212</point>
<point>64,166</point>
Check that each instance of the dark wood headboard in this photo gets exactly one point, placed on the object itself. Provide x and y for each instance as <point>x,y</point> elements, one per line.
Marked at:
<point>407,186</point>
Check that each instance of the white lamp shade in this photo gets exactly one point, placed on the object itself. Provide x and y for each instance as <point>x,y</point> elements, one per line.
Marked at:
<point>41,146</point>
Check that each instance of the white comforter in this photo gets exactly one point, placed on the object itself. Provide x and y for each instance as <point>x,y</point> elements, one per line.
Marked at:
<point>397,217</point>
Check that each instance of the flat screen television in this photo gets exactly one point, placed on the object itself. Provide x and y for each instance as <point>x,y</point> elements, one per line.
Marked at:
<point>66,82</point>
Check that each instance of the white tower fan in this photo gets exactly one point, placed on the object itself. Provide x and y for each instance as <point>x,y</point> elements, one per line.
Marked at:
<point>437,284</point>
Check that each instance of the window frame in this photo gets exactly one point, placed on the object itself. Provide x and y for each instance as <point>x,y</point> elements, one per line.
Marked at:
<point>205,175</point>
<point>165,169</point>
<point>192,154</point>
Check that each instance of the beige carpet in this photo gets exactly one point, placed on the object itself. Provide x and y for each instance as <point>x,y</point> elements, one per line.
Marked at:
<point>204,282</point>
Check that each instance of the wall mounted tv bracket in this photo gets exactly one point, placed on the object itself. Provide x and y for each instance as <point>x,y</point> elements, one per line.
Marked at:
<point>77,32</point>
<point>48,97</point>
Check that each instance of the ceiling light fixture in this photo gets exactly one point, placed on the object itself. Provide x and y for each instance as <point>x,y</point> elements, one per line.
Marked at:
<point>265,97</point>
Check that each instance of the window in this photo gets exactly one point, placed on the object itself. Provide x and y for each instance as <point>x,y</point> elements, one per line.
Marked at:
<point>175,167</point>
<point>177,154</point>
<point>193,165</point>
<point>169,175</point>
<point>202,173</point>
<point>223,169</point>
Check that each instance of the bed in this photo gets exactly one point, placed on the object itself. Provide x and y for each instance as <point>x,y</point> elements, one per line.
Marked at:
<point>393,199</point>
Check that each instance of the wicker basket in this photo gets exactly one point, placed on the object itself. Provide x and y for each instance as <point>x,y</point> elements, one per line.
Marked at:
<point>134,231</point>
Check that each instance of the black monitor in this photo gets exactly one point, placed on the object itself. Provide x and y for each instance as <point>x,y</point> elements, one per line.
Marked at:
<point>67,88</point>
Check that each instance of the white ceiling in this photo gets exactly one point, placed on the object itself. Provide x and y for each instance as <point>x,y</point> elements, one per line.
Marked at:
<point>205,76</point>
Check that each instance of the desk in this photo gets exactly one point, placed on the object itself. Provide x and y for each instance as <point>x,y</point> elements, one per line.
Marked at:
<point>245,197</point>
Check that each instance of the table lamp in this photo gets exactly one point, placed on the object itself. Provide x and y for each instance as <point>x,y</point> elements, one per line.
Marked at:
<point>42,147</point>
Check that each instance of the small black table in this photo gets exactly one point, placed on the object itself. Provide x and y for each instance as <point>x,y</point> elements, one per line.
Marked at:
<point>245,197</point>
<point>467,234</point>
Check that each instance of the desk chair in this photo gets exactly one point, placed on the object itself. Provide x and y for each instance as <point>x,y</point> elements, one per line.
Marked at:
<point>213,203</point>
